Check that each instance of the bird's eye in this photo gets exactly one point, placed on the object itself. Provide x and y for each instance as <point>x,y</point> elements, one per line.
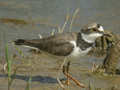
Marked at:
<point>98,25</point>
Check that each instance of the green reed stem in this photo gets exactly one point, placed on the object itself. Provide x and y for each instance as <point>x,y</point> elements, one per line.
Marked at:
<point>8,66</point>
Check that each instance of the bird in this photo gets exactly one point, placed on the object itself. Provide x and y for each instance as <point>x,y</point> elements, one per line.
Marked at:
<point>70,44</point>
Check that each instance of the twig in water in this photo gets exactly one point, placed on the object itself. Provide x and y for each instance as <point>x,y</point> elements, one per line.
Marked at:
<point>53,32</point>
<point>4,67</point>
<point>40,36</point>
<point>94,67</point>
<point>61,66</point>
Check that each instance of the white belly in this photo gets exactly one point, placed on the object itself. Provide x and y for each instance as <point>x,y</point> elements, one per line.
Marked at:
<point>77,51</point>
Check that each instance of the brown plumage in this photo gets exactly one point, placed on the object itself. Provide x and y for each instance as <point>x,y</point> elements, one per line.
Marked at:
<point>64,44</point>
<point>58,44</point>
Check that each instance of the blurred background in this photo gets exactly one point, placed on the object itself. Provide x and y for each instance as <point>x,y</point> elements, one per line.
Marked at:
<point>27,19</point>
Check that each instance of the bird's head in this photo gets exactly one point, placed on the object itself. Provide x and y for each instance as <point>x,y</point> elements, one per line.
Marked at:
<point>92,31</point>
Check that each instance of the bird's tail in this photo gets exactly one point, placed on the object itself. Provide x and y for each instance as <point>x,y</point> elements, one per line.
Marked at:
<point>26,43</point>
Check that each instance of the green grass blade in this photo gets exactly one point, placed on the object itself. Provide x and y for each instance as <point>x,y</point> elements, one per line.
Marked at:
<point>8,66</point>
<point>28,86</point>
<point>8,61</point>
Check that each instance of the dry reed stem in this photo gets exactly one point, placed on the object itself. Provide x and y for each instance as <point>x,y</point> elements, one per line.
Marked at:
<point>73,17</point>
<point>53,32</point>
<point>65,23</point>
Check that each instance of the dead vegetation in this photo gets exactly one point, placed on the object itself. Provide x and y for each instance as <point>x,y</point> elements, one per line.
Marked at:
<point>14,21</point>
<point>109,47</point>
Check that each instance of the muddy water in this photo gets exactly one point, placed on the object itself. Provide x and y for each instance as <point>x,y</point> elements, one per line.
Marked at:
<point>43,16</point>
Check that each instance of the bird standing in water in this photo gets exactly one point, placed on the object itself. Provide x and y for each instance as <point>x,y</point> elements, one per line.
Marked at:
<point>71,44</point>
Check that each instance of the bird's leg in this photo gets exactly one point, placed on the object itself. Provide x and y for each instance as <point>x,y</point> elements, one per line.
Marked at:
<point>61,66</point>
<point>67,71</point>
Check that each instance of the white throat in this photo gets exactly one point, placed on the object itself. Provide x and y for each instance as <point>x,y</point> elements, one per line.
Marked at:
<point>90,38</point>
<point>100,28</point>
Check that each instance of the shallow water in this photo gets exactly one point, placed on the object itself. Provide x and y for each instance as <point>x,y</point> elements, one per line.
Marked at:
<point>43,16</point>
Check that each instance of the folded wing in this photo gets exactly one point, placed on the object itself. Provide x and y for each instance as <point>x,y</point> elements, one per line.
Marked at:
<point>56,45</point>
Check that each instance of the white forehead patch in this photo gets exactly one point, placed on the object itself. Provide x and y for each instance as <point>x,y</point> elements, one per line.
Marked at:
<point>93,25</point>
<point>100,28</point>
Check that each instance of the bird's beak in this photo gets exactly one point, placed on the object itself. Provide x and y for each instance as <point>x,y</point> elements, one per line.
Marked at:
<point>106,34</point>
